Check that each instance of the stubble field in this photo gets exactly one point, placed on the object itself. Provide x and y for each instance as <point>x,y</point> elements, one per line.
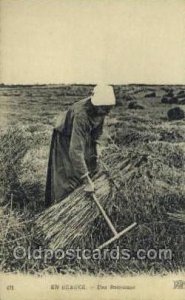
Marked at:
<point>27,116</point>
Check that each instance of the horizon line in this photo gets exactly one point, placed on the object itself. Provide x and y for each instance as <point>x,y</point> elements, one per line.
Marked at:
<point>76,83</point>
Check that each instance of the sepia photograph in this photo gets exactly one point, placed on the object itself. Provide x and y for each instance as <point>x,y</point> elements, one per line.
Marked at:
<point>92,149</point>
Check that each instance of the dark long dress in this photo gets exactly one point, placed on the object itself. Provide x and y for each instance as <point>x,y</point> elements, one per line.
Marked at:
<point>73,150</point>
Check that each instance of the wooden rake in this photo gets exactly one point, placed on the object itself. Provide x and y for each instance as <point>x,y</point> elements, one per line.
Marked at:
<point>116,234</point>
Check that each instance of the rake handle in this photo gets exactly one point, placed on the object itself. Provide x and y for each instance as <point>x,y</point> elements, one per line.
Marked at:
<point>111,226</point>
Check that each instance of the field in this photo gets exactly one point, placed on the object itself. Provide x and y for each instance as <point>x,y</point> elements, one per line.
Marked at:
<point>28,114</point>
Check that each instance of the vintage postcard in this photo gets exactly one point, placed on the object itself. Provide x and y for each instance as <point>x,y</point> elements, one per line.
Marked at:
<point>92,149</point>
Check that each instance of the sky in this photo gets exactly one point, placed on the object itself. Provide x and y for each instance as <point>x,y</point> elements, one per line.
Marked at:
<point>92,41</point>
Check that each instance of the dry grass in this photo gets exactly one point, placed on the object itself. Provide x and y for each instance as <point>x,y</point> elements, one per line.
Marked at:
<point>178,216</point>
<point>145,157</point>
<point>15,231</point>
<point>149,185</point>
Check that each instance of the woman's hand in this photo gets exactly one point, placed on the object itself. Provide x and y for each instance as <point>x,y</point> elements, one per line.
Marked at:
<point>89,185</point>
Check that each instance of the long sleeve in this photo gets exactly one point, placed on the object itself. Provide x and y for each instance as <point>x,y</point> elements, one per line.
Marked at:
<point>100,129</point>
<point>79,137</point>
<point>98,132</point>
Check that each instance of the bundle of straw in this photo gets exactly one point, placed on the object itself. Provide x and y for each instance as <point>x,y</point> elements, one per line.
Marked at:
<point>68,219</point>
